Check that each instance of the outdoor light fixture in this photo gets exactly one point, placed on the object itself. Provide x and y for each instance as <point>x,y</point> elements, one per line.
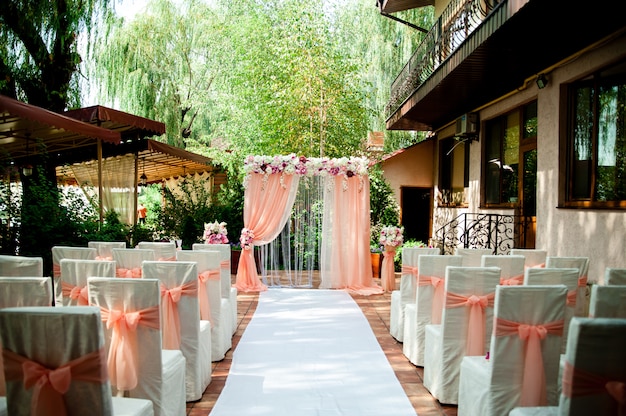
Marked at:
<point>27,170</point>
<point>143,179</point>
<point>542,81</point>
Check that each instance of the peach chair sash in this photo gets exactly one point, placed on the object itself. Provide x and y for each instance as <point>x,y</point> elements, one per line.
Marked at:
<point>512,281</point>
<point>49,385</point>
<point>578,383</point>
<point>225,264</point>
<point>56,270</point>
<point>476,322</point>
<point>170,258</point>
<point>438,296</point>
<point>122,361</point>
<point>536,266</point>
<point>203,295</point>
<point>533,381</point>
<point>169,303</point>
<point>75,293</point>
<point>388,278</point>
<point>134,273</point>
<point>107,258</point>
<point>412,270</point>
<point>571,298</point>
<point>582,281</point>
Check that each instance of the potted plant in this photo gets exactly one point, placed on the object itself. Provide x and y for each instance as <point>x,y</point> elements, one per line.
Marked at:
<point>376,253</point>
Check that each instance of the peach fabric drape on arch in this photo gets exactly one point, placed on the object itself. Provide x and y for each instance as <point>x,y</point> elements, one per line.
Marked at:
<point>345,260</point>
<point>268,201</point>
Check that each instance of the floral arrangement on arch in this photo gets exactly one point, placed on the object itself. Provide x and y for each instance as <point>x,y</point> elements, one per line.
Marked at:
<point>391,236</point>
<point>215,233</point>
<point>247,236</point>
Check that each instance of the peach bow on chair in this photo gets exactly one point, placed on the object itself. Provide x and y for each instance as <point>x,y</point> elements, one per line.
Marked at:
<point>437,301</point>
<point>122,361</point>
<point>133,273</point>
<point>476,324</point>
<point>56,270</point>
<point>108,258</point>
<point>75,293</point>
<point>512,281</point>
<point>412,270</point>
<point>203,296</point>
<point>49,385</point>
<point>171,322</point>
<point>534,383</point>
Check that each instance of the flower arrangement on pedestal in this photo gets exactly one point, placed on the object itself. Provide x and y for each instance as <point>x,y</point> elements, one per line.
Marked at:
<point>391,236</point>
<point>215,233</point>
<point>247,236</point>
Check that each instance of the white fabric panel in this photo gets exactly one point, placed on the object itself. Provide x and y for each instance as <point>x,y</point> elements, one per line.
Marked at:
<point>103,248</point>
<point>66,252</point>
<point>161,373</point>
<point>195,334</point>
<point>406,294</point>
<point>16,266</point>
<point>75,272</point>
<point>220,319</point>
<point>556,276</point>
<point>534,257</point>
<point>3,406</point>
<point>131,258</point>
<point>510,265</point>
<point>27,331</point>
<point>492,387</point>
<point>417,315</point>
<point>445,344</point>
<point>163,251</point>
<point>472,256</point>
<point>615,276</point>
<point>582,264</point>
<point>607,302</point>
<point>25,291</point>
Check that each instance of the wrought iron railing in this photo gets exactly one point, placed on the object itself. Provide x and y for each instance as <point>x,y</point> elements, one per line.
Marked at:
<point>455,24</point>
<point>498,232</point>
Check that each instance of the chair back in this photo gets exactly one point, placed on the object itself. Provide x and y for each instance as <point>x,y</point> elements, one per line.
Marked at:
<point>511,267</point>
<point>122,296</point>
<point>75,340</point>
<point>526,364</point>
<point>582,264</point>
<point>431,286</point>
<point>615,276</point>
<point>557,276</point>
<point>128,261</point>
<point>225,266</point>
<point>472,256</point>
<point>16,266</point>
<point>68,252</point>
<point>103,248</point>
<point>209,281</point>
<point>595,367</point>
<point>408,279</point>
<point>534,257</point>
<point>607,302</point>
<point>71,286</point>
<point>163,250</point>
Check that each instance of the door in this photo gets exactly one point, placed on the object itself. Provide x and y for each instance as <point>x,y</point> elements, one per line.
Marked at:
<point>416,206</point>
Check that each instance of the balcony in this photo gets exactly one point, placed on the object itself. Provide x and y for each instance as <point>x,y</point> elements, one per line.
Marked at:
<point>480,50</point>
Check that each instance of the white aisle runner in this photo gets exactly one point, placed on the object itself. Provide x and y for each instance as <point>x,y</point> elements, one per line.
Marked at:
<point>310,352</point>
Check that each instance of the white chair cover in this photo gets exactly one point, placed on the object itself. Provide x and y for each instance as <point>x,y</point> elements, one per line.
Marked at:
<point>534,257</point>
<point>229,291</point>
<point>163,251</point>
<point>209,278</point>
<point>160,373</point>
<point>81,331</point>
<point>582,264</point>
<point>592,367</point>
<point>557,276</point>
<point>511,267</point>
<point>15,266</point>
<point>103,248</point>
<point>128,261</point>
<point>614,276</point>
<point>406,294</point>
<point>607,302</point>
<point>430,283</point>
<point>67,252</point>
<point>71,286</point>
<point>470,293</point>
<point>493,386</point>
<point>195,334</point>
<point>472,256</point>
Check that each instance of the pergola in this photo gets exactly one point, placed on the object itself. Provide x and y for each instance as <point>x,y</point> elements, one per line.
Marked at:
<point>86,138</point>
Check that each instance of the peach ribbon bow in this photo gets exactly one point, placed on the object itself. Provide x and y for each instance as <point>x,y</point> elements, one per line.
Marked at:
<point>133,273</point>
<point>533,378</point>
<point>571,298</point>
<point>476,319</point>
<point>56,270</point>
<point>225,264</point>
<point>438,295</point>
<point>171,321</point>
<point>512,281</point>
<point>579,383</point>
<point>122,361</point>
<point>412,270</point>
<point>582,281</point>
<point>203,296</point>
<point>50,385</point>
<point>76,293</point>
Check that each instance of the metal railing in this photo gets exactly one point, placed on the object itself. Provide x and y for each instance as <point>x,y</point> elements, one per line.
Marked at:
<point>498,232</point>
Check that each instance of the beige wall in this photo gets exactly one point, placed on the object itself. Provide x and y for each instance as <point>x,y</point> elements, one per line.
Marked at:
<point>412,167</point>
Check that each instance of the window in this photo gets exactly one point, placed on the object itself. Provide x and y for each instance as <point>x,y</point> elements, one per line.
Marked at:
<point>454,171</point>
<point>596,141</point>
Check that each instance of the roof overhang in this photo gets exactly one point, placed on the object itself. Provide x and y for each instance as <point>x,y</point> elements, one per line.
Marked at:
<point>393,6</point>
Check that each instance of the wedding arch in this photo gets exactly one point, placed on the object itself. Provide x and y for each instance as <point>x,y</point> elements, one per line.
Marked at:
<point>271,186</point>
